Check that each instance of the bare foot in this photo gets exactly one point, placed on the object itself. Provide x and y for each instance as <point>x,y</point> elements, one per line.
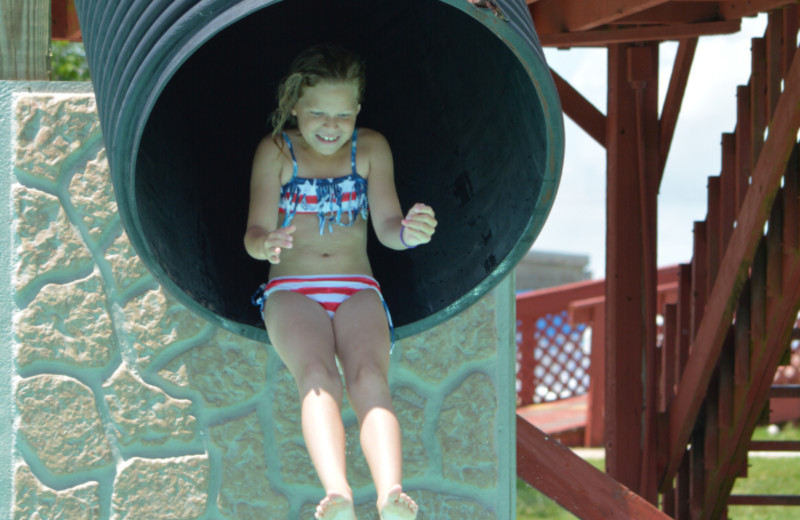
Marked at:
<point>335,507</point>
<point>398,506</point>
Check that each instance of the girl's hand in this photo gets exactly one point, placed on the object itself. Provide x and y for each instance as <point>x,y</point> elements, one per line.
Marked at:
<point>275,241</point>
<point>418,226</point>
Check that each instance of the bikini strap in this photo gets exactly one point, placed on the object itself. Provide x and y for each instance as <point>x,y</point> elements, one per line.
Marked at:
<point>353,150</point>
<point>291,151</point>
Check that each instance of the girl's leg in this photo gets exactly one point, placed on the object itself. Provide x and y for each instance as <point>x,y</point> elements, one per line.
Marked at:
<point>362,344</point>
<point>302,334</point>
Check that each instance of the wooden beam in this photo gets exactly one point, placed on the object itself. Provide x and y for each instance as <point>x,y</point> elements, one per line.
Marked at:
<point>604,37</point>
<point>672,14</point>
<point>573,483</point>
<point>736,262</point>
<point>625,270</point>
<point>580,110</point>
<point>742,8</point>
<point>65,21</point>
<point>24,39</point>
<point>580,15</point>
<point>674,98</point>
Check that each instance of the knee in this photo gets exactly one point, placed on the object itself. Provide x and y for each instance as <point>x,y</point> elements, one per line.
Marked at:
<point>316,374</point>
<point>367,377</point>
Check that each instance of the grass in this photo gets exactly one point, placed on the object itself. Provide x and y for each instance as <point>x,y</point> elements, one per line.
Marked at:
<point>765,476</point>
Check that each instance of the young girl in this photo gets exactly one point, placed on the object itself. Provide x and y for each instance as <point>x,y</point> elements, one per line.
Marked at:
<point>314,183</point>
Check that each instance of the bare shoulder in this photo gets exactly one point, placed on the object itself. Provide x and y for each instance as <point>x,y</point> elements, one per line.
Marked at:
<point>269,157</point>
<point>268,149</point>
<point>370,139</point>
<point>374,146</point>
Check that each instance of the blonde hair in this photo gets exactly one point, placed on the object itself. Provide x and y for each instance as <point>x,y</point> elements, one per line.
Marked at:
<point>319,64</point>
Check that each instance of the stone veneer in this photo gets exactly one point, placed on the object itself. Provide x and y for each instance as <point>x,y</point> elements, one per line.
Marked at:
<point>126,405</point>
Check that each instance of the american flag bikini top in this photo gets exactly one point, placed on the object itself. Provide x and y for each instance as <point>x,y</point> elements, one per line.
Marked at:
<point>329,198</point>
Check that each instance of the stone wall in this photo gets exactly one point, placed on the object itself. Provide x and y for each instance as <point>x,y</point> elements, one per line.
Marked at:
<point>117,402</point>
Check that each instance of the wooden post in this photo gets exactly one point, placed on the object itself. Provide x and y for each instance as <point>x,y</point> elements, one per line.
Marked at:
<point>624,337</point>
<point>633,172</point>
<point>24,39</point>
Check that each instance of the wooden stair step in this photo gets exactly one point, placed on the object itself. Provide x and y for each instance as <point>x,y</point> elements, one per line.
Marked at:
<point>764,500</point>
<point>774,446</point>
<point>784,391</point>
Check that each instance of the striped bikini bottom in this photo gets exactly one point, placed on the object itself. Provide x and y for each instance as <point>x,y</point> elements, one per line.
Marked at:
<point>329,291</point>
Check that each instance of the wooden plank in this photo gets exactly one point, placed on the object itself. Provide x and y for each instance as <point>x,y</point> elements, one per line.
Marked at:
<point>711,429</point>
<point>791,205</point>
<point>674,98</point>
<point>744,144</point>
<point>791,25</point>
<point>727,189</point>
<point>758,93</point>
<point>594,434</point>
<point>685,331</point>
<point>764,500</point>
<point>625,328</point>
<point>24,39</point>
<point>669,352</point>
<point>743,8</point>
<point>580,110</point>
<point>668,499</point>
<point>697,472</point>
<point>787,446</point>
<point>774,48</point>
<point>527,362</point>
<point>699,276</point>
<point>668,14</point>
<point>683,489</point>
<point>608,36</point>
<point>579,15</point>
<point>556,299</point>
<point>726,384</point>
<point>758,296</point>
<point>742,338</point>
<point>65,21</point>
<point>573,483</point>
<point>736,263</point>
<point>643,75</point>
<point>775,248</point>
<point>784,391</point>
<point>713,231</point>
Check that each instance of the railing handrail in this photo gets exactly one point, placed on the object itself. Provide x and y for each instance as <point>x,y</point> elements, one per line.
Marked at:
<point>578,303</point>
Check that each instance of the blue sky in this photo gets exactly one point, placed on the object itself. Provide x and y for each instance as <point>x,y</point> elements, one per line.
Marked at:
<point>577,220</point>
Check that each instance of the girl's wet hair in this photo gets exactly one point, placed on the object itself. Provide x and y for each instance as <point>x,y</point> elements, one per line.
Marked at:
<point>318,64</point>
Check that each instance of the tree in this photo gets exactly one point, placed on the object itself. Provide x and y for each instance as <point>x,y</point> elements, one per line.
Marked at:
<point>68,62</point>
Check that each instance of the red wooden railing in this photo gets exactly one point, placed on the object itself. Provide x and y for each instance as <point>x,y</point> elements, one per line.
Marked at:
<point>561,345</point>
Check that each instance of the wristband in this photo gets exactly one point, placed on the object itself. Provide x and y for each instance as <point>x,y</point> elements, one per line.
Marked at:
<point>403,241</point>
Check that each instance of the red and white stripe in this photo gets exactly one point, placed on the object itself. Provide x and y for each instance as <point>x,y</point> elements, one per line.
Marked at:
<point>327,290</point>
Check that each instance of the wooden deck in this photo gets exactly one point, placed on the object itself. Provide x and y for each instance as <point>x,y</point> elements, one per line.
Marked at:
<point>563,420</point>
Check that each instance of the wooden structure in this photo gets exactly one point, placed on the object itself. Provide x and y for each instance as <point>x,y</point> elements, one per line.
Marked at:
<point>682,431</point>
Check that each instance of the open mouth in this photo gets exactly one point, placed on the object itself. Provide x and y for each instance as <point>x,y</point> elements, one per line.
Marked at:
<point>325,139</point>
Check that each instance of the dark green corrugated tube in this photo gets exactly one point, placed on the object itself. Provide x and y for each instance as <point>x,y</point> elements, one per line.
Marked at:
<point>184,89</point>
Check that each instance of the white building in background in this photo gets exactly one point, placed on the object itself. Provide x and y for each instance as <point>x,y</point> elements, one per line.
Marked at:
<point>541,269</point>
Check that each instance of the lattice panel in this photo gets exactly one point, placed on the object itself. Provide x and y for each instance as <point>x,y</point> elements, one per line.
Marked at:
<point>562,356</point>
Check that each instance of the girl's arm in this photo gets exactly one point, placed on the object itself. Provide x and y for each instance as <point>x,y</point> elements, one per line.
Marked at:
<point>391,227</point>
<point>263,239</point>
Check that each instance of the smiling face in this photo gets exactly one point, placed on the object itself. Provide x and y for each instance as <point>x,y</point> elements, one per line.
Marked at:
<point>326,115</point>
